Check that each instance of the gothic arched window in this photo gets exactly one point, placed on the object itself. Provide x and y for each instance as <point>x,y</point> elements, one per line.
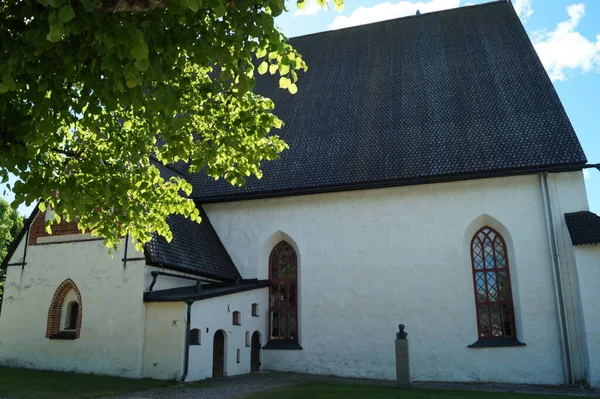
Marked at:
<point>491,279</point>
<point>283,294</point>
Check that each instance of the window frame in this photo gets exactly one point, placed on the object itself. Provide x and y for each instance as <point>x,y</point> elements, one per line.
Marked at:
<point>195,337</point>
<point>287,341</point>
<point>236,318</point>
<point>501,264</point>
<point>70,324</point>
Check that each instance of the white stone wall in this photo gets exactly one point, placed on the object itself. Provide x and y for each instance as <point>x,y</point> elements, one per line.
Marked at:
<point>369,260</point>
<point>588,268</point>
<point>164,340</point>
<point>217,314</point>
<point>112,329</point>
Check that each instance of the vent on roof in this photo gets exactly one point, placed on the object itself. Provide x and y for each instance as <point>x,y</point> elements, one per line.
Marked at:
<point>418,12</point>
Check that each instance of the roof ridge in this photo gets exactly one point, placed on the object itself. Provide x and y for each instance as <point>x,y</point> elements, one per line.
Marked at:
<point>405,17</point>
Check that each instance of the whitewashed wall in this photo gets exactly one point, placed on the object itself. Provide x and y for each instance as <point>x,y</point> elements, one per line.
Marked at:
<point>112,328</point>
<point>217,314</point>
<point>164,340</point>
<point>588,267</point>
<point>369,260</point>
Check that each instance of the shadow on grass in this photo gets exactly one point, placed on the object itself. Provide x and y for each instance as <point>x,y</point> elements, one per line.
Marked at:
<point>29,384</point>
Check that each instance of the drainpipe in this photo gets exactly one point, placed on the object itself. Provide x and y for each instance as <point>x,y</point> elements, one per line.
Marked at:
<point>186,354</point>
<point>557,279</point>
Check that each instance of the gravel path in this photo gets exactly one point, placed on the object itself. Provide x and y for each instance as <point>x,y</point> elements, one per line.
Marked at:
<point>240,386</point>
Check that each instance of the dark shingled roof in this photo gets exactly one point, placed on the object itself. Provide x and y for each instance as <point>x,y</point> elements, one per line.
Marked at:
<point>447,95</point>
<point>584,227</point>
<point>207,291</point>
<point>195,248</point>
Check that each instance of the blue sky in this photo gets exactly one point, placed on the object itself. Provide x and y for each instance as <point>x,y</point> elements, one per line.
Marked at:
<point>566,34</point>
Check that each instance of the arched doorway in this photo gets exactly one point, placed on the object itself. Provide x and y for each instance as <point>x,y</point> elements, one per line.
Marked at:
<point>218,354</point>
<point>254,352</point>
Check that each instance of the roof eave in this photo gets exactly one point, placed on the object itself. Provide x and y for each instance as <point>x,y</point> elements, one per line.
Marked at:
<point>15,243</point>
<point>387,183</point>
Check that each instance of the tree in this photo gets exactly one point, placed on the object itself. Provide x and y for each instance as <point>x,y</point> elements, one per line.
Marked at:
<point>91,89</point>
<point>11,224</point>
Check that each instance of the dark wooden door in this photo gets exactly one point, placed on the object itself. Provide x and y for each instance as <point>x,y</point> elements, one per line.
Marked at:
<point>218,354</point>
<point>255,348</point>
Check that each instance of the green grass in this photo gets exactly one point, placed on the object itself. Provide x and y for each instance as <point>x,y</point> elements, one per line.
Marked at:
<point>350,391</point>
<point>29,384</point>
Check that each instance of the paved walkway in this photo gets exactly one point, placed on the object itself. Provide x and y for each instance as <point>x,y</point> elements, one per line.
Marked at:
<point>240,386</point>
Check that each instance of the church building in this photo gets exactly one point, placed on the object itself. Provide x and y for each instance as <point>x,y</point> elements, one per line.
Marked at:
<point>433,179</point>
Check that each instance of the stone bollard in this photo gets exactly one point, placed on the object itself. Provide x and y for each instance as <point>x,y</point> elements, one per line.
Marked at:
<point>402,366</point>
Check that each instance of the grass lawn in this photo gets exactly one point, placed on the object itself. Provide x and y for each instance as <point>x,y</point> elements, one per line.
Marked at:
<point>350,391</point>
<point>29,384</point>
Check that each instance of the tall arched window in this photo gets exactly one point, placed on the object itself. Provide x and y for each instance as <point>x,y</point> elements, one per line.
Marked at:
<point>491,279</point>
<point>283,295</point>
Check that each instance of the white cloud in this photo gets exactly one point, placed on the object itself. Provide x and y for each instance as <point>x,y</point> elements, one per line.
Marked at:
<point>564,49</point>
<point>311,8</point>
<point>523,8</point>
<point>366,15</point>
<point>586,174</point>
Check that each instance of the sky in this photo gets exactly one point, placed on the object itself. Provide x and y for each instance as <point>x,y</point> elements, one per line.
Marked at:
<point>565,33</point>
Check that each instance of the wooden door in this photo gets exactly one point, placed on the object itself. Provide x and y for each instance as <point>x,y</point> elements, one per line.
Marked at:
<point>218,354</point>
<point>254,350</point>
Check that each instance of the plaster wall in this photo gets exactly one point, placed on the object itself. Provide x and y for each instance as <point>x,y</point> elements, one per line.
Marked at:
<point>112,310</point>
<point>371,259</point>
<point>588,268</point>
<point>164,340</point>
<point>211,315</point>
<point>566,196</point>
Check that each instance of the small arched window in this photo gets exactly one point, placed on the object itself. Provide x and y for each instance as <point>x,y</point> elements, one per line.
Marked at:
<point>72,313</point>
<point>65,312</point>
<point>255,309</point>
<point>195,336</point>
<point>283,295</point>
<point>236,318</point>
<point>491,280</point>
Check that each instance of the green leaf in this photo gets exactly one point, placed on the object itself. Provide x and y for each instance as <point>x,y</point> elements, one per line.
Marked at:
<point>338,5</point>
<point>261,52</point>
<point>193,5</point>
<point>292,88</point>
<point>263,67</point>
<point>88,5</point>
<point>284,82</point>
<point>219,9</point>
<point>273,68</point>
<point>66,14</point>
<point>140,51</point>
<point>142,64</point>
<point>56,32</point>
<point>301,4</point>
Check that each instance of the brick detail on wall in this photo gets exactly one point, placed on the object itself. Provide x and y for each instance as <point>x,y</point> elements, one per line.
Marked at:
<point>58,229</point>
<point>53,323</point>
